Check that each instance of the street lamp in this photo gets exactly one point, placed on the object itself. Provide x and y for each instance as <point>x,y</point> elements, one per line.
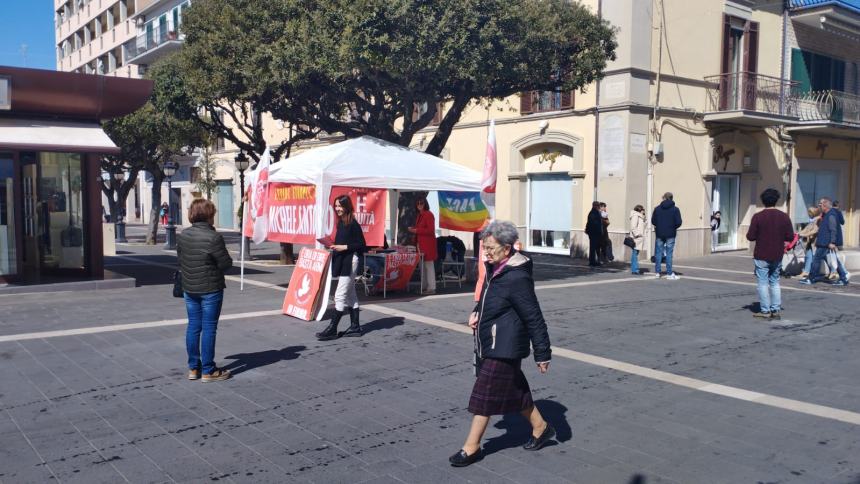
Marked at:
<point>242,163</point>
<point>170,170</point>
<point>119,176</point>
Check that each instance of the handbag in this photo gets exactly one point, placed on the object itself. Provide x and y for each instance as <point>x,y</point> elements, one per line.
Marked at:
<point>629,242</point>
<point>177,284</point>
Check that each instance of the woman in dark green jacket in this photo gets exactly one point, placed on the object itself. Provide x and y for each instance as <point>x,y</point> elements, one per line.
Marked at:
<point>203,258</point>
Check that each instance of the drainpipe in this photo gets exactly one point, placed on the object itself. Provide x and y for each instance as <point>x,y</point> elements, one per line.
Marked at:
<point>597,116</point>
<point>655,132</point>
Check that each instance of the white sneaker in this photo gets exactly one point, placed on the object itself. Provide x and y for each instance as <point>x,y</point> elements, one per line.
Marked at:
<point>847,276</point>
<point>672,277</point>
<point>657,276</point>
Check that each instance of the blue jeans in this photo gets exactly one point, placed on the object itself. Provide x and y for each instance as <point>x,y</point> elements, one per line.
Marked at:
<point>820,256</point>
<point>669,246</point>
<point>634,262</point>
<point>767,277</point>
<point>203,313</point>
<point>807,262</point>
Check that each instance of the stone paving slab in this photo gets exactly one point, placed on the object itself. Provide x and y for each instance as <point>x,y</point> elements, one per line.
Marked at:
<point>390,407</point>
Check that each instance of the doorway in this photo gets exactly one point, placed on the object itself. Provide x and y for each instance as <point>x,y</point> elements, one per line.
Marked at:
<point>725,198</point>
<point>225,204</point>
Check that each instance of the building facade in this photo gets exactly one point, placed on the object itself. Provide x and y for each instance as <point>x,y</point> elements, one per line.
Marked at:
<point>712,100</point>
<point>51,145</point>
<point>123,38</point>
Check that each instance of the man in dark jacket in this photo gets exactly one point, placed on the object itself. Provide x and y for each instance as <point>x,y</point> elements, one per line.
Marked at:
<point>666,220</point>
<point>770,229</point>
<point>829,237</point>
<point>594,230</point>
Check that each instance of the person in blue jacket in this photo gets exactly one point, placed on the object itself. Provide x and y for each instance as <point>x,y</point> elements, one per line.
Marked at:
<point>666,220</point>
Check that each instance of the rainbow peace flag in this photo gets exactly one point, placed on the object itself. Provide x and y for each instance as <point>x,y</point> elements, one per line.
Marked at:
<point>462,211</point>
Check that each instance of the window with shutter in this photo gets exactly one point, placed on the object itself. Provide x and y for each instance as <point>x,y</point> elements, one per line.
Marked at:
<point>526,102</point>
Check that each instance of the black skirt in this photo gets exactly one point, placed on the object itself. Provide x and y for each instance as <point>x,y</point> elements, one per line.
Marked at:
<point>501,388</point>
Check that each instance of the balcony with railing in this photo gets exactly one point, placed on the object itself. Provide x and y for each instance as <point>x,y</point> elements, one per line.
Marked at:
<point>829,107</point>
<point>751,99</point>
<point>153,44</point>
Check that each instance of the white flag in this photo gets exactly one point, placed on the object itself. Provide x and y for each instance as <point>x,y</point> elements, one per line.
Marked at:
<point>488,181</point>
<point>260,198</point>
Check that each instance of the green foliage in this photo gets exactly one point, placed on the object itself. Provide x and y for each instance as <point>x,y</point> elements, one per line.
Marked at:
<point>361,66</point>
<point>148,138</point>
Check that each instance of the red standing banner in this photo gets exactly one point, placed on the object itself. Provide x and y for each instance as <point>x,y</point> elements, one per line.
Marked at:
<point>399,267</point>
<point>369,204</point>
<point>292,213</point>
<point>303,294</point>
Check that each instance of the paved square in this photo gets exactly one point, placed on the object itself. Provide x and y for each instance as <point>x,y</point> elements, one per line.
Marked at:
<point>651,381</point>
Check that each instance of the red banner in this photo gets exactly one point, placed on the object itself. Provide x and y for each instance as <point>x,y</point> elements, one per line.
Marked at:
<point>247,221</point>
<point>292,213</point>
<point>303,293</point>
<point>369,204</point>
<point>399,267</point>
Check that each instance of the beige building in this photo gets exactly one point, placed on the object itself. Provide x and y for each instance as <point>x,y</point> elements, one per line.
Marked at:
<point>123,38</point>
<point>713,100</point>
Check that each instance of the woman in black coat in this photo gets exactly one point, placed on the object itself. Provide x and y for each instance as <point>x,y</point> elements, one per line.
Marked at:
<point>348,247</point>
<point>506,320</point>
<point>203,259</point>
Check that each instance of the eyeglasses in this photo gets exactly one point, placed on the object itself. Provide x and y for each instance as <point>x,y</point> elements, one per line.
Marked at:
<point>493,248</point>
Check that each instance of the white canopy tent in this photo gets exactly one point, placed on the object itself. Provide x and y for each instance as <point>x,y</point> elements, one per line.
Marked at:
<point>369,162</point>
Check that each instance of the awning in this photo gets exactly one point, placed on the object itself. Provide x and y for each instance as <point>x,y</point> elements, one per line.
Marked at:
<point>49,135</point>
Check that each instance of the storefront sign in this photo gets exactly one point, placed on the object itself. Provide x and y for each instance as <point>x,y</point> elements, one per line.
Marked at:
<point>303,294</point>
<point>399,267</point>
<point>369,205</point>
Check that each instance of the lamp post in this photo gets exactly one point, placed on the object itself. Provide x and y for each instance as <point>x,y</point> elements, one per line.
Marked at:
<point>242,163</point>
<point>119,176</point>
<point>170,170</point>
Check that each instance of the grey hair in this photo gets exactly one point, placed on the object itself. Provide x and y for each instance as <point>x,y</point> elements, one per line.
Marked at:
<point>668,196</point>
<point>503,231</point>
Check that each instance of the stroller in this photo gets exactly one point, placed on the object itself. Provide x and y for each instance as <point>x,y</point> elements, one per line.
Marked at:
<point>792,264</point>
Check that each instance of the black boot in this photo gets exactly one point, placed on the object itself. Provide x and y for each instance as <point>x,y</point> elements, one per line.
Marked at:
<point>330,332</point>
<point>354,329</point>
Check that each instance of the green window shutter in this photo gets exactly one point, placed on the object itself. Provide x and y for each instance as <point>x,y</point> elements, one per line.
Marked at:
<point>799,70</point>
<point>838,82</point>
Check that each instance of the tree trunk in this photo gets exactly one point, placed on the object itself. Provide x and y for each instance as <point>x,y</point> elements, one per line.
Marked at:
<point>407,214</point>
<point>154,219</point>
<point>287,256</point>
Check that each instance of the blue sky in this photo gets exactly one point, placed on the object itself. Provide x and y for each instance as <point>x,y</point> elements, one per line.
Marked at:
<point>29,22</point>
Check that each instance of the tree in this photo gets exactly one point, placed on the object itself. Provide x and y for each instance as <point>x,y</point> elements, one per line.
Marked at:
<point>205,182</point>
<point>147,139</point>
<point>368,67</point>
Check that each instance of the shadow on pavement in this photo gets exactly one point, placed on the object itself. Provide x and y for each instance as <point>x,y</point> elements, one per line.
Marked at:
<point>518,429</point>
<point>380,324</point>
<point>248,361</point>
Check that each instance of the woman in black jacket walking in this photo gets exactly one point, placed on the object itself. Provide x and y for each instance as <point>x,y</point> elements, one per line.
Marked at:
<point>203,258</point>
<point>348,246</point>
<point>506,320</point>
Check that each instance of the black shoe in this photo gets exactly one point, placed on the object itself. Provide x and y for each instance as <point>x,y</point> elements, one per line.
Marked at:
<point>462,459</point>
<point>354,330</point>
<point>330,332</point>
<point>537,443</point>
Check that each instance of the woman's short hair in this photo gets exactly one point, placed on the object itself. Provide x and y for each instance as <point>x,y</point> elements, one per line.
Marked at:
<point>503,231</point>
<point>813,211</point>
<point>201,210</point>
<point>422,200</point>
<point>639,208</point>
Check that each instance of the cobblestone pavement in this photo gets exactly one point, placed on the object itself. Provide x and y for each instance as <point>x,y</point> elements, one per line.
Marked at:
<point>111,404</point>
